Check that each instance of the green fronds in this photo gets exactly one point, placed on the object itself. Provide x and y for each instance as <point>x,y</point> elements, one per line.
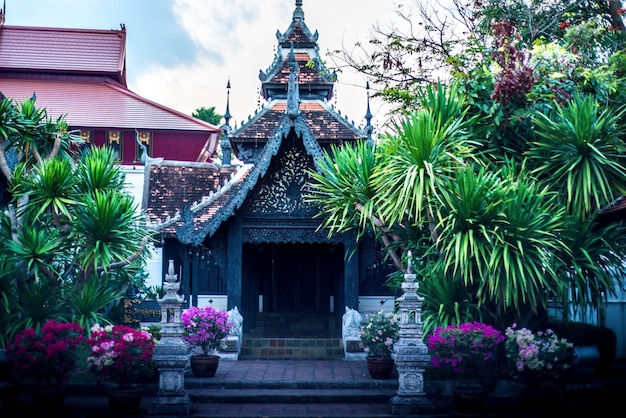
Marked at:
<point>342,190</point>
<point>34,249</point>
<point>425,151</point>
<point>98,170</point>
<point>580,148</point>
<point>50,187</point>
<point>107,229</point>
<point>498,234</point>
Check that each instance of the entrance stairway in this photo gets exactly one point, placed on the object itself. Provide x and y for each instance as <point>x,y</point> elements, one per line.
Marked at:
<point>293,336</point>
<point>291,389</point>
<point>301,398</point>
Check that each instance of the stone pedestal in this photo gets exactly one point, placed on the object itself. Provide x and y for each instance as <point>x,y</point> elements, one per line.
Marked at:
<point>171,354</point>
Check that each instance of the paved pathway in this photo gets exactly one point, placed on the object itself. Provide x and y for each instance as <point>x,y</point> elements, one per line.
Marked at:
<point>292,370</point>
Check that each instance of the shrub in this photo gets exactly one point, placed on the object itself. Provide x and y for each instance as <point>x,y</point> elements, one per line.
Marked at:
<point>120,353</point>
<point>468,349</point>
<point>537,356</point>
<point>48,354</point>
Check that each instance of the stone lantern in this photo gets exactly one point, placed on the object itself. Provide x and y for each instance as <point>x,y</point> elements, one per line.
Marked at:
<point>410,353</point>
<point>171,353</point>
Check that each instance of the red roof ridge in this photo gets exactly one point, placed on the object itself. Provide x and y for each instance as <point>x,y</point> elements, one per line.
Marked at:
<point>62,29</point>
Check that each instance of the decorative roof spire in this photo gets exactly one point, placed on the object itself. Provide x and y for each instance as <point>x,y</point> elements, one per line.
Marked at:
<point>293,90</point>
<point>227,114</point>
<point>298,13</point>
<point>368,117</point>
<point>225,142</point>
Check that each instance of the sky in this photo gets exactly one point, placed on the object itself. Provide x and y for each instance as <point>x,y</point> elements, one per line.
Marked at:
<point>181,53</point>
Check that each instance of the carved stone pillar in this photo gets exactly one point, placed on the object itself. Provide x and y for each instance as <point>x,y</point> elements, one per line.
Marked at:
<point>410,353</point>
<point>171,353</point>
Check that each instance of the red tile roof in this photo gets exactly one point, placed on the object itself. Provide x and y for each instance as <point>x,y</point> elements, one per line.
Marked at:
<point>325,124</point>
<point>307,75</point>
<point>298,35</point>
<point>203,187</point>
<point>103,104</point>
<point>53,50</point>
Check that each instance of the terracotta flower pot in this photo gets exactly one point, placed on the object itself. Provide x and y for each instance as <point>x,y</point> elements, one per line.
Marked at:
<point>204,366</point>
<point>470,399</point>
<point>380,367</point>
<point>125,400</point>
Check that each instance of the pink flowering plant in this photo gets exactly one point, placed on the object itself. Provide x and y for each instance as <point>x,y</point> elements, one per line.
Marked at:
<point>380,334</point>
<point>46,355</point>
<point>205,328</point>
<point>120,353</point>
<point>467,349</point>
<point>537,355</point>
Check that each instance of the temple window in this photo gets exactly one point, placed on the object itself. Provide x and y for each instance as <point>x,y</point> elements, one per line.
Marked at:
<point>114,140</point>
<point>86,136</point>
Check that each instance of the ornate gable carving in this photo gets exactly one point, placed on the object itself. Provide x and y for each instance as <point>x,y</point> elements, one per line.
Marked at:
<point>280,191</point>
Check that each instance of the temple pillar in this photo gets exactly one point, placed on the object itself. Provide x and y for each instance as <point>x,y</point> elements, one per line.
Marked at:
<point>234,252</point>
<point>351,275</point>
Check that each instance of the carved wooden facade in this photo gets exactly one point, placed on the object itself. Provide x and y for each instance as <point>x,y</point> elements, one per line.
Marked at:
<point>245,231</point>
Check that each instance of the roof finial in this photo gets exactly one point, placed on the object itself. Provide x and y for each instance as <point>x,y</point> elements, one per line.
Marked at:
<point>227,114</point>
<point>368,117</point>
<point>225,142</point>
<point>298,14</point>
<point>293,89</point>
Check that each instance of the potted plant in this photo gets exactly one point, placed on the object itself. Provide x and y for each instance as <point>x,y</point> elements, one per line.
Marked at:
<point>539,360</point>
<point>377,338</point>
<point>468,351</point>
<point>205,328</point>
<point>45,357</point>
<point>123,355</point>
<point>537,356</point>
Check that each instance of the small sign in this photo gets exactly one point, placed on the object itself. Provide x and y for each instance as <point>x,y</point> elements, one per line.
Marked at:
<point>141,310</point>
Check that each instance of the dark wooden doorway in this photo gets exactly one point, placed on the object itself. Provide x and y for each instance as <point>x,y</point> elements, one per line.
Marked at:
<point>295,277</point>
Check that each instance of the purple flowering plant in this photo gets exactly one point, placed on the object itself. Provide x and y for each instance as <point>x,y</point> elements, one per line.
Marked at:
<point>205,327</point>
<point>537,355</point>
<point>380,334</point>
<point>47,354</point>
<point>467,349</point>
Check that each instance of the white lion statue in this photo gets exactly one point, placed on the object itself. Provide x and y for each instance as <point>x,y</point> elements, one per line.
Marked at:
<point>236,319</point>
<point>351,323</point>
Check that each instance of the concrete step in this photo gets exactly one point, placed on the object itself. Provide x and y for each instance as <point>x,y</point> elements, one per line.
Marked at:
<point>263,348</point>
<point>295,325</point>
<point>298,396</point>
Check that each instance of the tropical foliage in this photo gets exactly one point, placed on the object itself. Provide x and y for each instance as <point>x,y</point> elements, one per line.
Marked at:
<point>73,239</point>
<point>496,178</point>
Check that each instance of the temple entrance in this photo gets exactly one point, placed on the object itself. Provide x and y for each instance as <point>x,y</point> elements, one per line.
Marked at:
<point>294,277</point>
<point>293,289</point>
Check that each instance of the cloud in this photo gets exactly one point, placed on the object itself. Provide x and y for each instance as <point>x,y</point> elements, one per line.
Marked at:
<point>238,39</point>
